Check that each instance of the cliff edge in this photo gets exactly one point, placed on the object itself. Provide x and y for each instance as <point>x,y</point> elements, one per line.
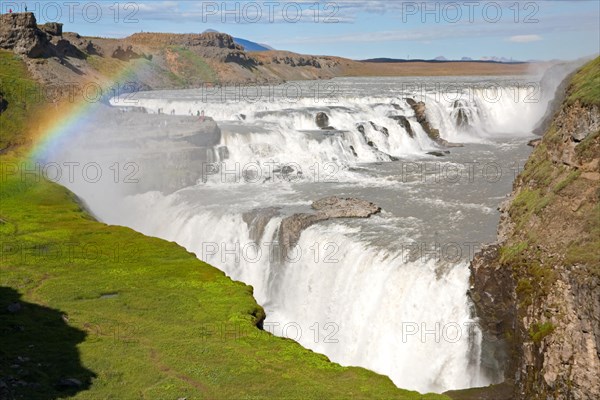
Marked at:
<point>537,291</point>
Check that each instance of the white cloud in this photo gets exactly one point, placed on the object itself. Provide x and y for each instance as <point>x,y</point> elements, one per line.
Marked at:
<point>525,38</point>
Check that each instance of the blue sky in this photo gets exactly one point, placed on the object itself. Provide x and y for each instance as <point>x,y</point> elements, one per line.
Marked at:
<point>520,30</point>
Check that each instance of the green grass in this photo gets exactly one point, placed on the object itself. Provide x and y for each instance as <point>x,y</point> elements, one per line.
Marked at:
<point>192,66</point>
<point>23,97</point>
<point>586,84</point>
<point>133,317</point>
<point>512,253</point>
<point>528,203</point>
<point>570,178</point>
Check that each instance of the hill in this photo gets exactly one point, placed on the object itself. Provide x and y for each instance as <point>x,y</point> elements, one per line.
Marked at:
<point>166,61</point>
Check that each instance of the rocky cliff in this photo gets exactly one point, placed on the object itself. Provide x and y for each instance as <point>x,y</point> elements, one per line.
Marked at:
<point>537,291</point>
<point>20,33</point>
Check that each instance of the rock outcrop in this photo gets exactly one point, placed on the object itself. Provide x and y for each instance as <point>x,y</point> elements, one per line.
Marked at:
<point>434,134</point>
<point>52,28</point>
<point>127,54</point>
<point>404,123</point>
<point>461,114</point>
<point>537,291</point>
<point>258,219</point>
<point>322,120</point>
<point>325,209</point>
<point>19,32</point>
<point>207,39</point>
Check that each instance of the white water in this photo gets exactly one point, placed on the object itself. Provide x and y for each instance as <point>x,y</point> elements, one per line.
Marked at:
<point>352,295</point>
<point>408,320</point>
<point>283,130</point>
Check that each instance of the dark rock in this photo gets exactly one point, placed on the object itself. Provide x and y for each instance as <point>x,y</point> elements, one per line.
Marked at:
<point>92,49</point>
<point>216,39</point>
<point>404,123</point>
<point>381,129</point>
<point>410,102</point>
<point>461,114</point>
<point>436,153</point>
<point>19,33</point>
<point>491,291</point>
<point>322,120</point>
<point>52,28</point>
<point>127,54</point>
<point>534,142</point>
<point>297,61</point>
<point>353,151</point>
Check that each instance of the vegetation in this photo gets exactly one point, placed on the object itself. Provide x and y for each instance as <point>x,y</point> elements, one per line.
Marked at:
<point>191,67</point>
<point>586,84</point>
<point>567,181</point>
<point>21,97</point>
<point>102,312</point>
<point>554,203</point>
<point>537,331</point>
<point>586,249</point>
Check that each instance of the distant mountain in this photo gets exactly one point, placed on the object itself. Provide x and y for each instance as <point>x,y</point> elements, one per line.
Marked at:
<point>439,61</point>
<point>442,59</point>
<point>497,59</point>
<point>248,44</point>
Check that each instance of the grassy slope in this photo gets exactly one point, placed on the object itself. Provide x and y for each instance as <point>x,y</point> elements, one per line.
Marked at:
<point>136,317</point>
<point>23,98</point>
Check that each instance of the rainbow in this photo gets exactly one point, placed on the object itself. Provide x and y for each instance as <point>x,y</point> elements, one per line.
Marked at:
<point>66,120</point>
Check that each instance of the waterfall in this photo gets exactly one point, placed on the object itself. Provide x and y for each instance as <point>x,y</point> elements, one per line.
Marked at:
<point>349,292</point>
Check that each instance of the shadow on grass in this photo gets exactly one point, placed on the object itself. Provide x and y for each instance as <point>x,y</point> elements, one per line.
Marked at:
<point>39,359</point>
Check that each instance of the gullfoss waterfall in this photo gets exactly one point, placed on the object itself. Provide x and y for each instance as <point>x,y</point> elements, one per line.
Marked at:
<point>388,292</point>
